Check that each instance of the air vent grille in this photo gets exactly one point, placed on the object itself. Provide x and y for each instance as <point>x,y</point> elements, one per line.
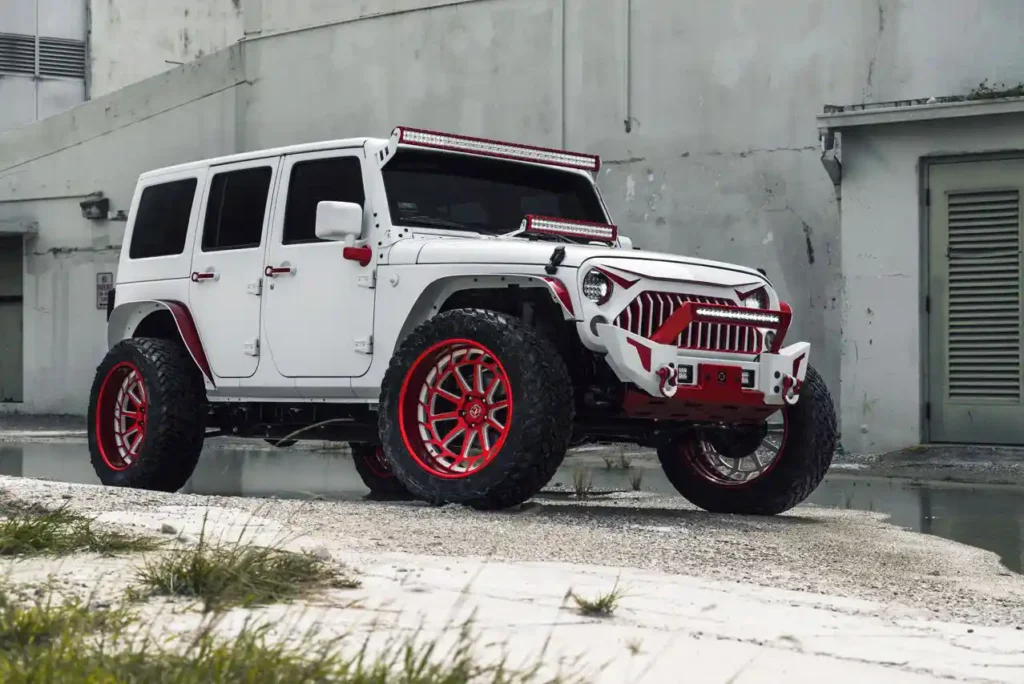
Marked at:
<point>984,296</point>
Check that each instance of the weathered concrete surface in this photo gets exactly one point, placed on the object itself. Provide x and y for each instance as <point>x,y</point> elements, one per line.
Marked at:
<point>704,624</point>
<point>719,156</point>
<point>882,366</point>
<point>47,169</point>
<point>131,40</point>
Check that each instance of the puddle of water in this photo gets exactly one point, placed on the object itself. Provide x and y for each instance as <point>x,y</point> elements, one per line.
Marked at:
<point>991,518</point>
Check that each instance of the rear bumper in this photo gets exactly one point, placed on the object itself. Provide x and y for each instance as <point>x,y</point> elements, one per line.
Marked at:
<point>684,384</point>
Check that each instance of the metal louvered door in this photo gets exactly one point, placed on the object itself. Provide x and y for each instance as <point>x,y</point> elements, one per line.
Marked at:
<point>976,379</point>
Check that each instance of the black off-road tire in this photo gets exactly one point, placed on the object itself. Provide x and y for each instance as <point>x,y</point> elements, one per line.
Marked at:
<point>175,415</point>
<point>810,444</point>
<point>376,472</point>
<point>541,421</point>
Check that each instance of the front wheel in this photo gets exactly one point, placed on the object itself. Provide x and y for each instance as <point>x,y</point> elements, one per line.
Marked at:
<point>476,408</point>
<point>761,470</point>
<point>147,415</point>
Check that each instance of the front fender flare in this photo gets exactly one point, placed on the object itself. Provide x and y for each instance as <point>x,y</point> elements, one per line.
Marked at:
<point>432,297</point>
<point>125,319</point>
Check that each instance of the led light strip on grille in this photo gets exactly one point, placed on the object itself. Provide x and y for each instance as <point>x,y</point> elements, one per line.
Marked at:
<point>730,315</point>
<point>602,232</point>
<point>493,148</point>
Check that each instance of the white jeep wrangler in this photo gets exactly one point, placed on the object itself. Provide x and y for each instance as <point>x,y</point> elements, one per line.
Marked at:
<point>460,310</point>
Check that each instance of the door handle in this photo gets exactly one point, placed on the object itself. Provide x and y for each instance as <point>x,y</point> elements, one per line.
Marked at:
<point>283,269</point>
<point>202,276</point>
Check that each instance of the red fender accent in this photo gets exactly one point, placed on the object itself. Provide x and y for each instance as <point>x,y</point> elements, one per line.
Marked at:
<point>189,335</point>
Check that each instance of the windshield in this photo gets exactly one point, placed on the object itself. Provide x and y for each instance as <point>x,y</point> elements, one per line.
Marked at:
<point>440,190</point>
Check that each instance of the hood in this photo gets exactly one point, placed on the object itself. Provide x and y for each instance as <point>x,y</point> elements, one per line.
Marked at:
<point>520,251</point>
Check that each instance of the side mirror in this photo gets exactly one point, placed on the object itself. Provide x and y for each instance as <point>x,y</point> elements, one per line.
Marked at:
<point>339,221</point>
<point>625,242</point>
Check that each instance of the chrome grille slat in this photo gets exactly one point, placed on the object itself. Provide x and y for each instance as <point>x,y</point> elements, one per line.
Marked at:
<point>650,310</point>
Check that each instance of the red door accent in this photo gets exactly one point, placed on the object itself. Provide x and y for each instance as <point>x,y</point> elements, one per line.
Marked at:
<point>364,255</point>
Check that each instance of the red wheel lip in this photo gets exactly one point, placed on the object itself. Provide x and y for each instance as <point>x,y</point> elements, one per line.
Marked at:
<point>103,420</point>
<point>404,392</point>
<point>693,452</point>
<point>378,465</point>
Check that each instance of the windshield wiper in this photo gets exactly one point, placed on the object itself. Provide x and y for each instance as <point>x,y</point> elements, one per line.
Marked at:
<point>431,222</point>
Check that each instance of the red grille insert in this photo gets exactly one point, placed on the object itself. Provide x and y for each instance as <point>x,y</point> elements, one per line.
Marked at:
<point>650,310</point>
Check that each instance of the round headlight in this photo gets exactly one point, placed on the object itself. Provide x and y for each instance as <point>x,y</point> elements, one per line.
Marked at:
<point>597,287</point>
<point>758,299</point>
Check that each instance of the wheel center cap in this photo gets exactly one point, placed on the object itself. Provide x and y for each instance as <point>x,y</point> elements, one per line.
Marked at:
<point>475,412</point>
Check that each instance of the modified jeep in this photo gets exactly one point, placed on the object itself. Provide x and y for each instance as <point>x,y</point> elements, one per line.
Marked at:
<point>461,311</point>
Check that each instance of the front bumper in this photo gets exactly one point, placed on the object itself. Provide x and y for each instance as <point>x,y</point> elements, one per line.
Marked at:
<point>686,384</point>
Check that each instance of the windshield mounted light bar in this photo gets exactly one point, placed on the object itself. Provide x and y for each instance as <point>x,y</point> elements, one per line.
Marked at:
<point>492,148</point>
<point>547,225</point>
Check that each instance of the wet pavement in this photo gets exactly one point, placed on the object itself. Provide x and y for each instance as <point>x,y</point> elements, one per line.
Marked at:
<point>986,516</point>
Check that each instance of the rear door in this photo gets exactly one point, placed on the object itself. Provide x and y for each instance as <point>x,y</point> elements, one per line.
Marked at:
<point>227,264</point>
<point>318,306</point>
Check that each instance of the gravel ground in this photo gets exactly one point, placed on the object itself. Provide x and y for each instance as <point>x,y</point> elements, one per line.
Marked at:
<point>839,553</point>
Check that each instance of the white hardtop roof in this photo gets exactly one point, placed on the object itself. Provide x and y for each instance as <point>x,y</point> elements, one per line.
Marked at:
<point>321,146</point>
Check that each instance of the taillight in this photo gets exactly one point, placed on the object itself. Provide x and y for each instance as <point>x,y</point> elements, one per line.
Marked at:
<point>110,302</point>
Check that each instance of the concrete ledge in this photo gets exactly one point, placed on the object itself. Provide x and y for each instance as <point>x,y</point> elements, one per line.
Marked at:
<point>893,113</point>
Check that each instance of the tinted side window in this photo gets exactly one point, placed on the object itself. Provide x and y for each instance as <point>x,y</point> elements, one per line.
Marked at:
<point>234,212</point>
<point>323,180</point>
<point>161,221</point>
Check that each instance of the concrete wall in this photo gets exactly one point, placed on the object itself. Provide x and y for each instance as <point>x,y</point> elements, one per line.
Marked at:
<point>101,146</point>
<point>881,359</point>
<point>24,99</point>
<point>131,40</point>
<point>719,157</point>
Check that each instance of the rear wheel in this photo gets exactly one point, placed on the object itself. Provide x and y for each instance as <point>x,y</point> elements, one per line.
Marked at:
<point>146,415</point>
<point>476,409</point>
<point>376,472</point>
<point>758,470</point>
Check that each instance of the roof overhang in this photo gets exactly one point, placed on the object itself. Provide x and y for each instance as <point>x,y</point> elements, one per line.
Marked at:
<point>839,118</point>
<point>18,227</point>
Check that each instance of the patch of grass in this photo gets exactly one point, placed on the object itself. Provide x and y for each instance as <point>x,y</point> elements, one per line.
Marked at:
<point>625,462</point>
<point>35,531</point>
<point>634,647</point>
<point>42,623</point>
<point>65,644</point>
<point>225,575</point>
<point>635,480</point>
<point>609,462</point>
<point>582,482</point>
<point>603,605</point>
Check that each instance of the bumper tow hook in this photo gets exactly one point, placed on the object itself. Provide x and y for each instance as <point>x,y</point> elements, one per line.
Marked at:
<point>790,389</point>
<point>667,382</point>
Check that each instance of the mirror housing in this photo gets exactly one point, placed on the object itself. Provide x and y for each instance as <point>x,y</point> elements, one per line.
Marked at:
<point>625,242</point>
<point>339,221</point>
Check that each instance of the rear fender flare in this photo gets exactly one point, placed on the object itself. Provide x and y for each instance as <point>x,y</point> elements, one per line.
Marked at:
<point>126,318</point>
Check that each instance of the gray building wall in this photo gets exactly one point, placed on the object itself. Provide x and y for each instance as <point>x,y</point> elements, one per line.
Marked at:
<point>24,98</point>
<point>882,366</point>
<point>131,40</point>
<point>704,113</point>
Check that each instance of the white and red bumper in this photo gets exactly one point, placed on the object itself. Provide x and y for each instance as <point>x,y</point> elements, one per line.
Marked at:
<point>685,384</point>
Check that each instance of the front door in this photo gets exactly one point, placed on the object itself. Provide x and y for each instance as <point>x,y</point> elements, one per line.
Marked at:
<point>318,315</point>
<point>227,265</point>
<point>976,287</point>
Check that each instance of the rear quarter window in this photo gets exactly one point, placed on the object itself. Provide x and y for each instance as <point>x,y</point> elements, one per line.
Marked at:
<point>161,220</point>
